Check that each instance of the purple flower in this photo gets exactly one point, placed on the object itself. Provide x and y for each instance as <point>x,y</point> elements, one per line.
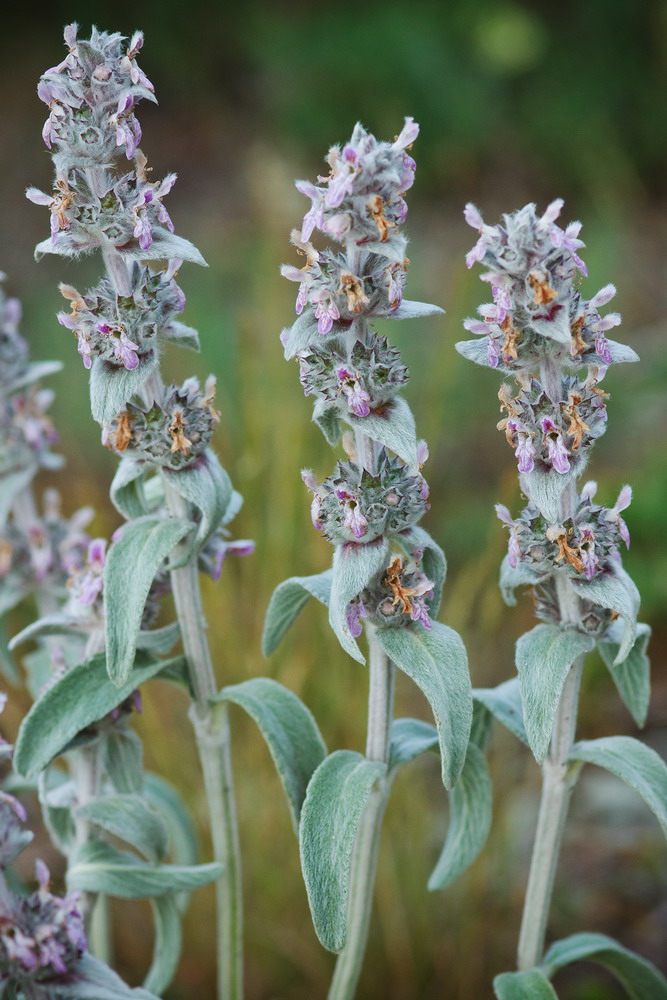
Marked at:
<point>126,351</point>
<point>357,397</point>
<point>314,217</point>
<point>345,170</point>
<point>587,553</point>
<point>624,500</point>
<point>525,452</point>
<point>354,518</point>
<point>355,611</point>
<point>513,549</point>
<point>558,453</point>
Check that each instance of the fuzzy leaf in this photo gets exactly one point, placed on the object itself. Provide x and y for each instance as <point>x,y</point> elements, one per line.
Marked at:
<point>433,562</point>
<point>327,419</point>
<point>543,660</point>
<point>56,624</point>
<point>34,372</point>
<point>98,867</point>
<point>504,703</point>
<point>127,488</point>
<point>290,731</point>
<point>470,805</point>
<point>165,246</point>
<point>287,601</point>
<point>392,249</point>
<point>301,334</point>
<point>474,350</point>
<point>93,980</point>
<point>621,353</point>
<point>131,564</point>
<point>414,310</point>
<point>529,985</point>
<point>13,483</point>
<point>129,818</point>
<point>168,942</point>
<point>409,738</point>
<point>180,334</point>
<point>206,485</point>
<point>632,676</point>
<point>639,977</point>
<point>111,386</point>
<point>394,428</point>
<point>545,489</point>
<point>159,640</point>
<point>123,760</point>
<point>56,796</point>
<point>353,568</point>
<point>77,699</point>
<point>512,577</point>
<point>634,763</point>
<point>436,661</point>
<point>557,329</point>
<point>182,834</point>
<point>614,589</point>
<point>335,800</point>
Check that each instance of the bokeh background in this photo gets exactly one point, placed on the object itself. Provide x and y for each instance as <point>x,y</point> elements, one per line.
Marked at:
<point>517,102</point>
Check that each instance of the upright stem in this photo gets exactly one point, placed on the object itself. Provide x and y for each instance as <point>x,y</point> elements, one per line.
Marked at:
<point>557,778</point>
<point>364,861</point>
<point>213,744</point>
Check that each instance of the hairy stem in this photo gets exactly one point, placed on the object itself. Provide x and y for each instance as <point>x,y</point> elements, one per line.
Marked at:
<point>364,861</point>
<point>213,743</point>
<point>557,781</point>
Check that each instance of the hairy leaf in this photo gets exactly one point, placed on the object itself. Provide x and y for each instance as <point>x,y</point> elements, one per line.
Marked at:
<point>335,800</point>
<point>287,601</point>
<point>470,805</point>
<point>414,310</point>
<point>436,661</point>
<point>123,760</point>
<point>354,566</point>
<point>168,942</point>
<point>504,703</point>
<point>393,427</point>
<point>93,980</point>
<point>409,738</point>
<point>98,867</point>
<point>74,701</point>
<point>301,334</point>
<point>127,488</point>
<point>545,489</point>
<point>512,577</point>
<point>543,660</point>
<point>614,589</point>
<point>131,564</point>
<point>632,676</point>
<point>180,334</point>
<point>327,419</point>
<point>112,386</point>
<point>290,731</point>
<point>206,485</point>
<point>634,763</point>
<point>128,817</point>
<point>529,985</point>
<point>13,482</point>
<point>640,978</point>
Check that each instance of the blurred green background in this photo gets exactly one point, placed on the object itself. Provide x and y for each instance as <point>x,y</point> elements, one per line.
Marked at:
<point>517,102</point>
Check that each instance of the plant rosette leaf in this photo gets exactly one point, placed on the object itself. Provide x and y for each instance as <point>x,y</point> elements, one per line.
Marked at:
<point>82,696</point>
<point>337,794</point>
<point>436,660</point>
<point>639,977</point>
<point>131,564</point>
<point>632,676</point>
<point>544,657</point>
<point>287,601</point>
<point>633,762</point>
<point>290,731</point>
<point>354,566</point>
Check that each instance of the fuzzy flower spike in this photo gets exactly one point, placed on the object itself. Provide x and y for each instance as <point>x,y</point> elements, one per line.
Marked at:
<point>550,344</point>
<point>387,571</point>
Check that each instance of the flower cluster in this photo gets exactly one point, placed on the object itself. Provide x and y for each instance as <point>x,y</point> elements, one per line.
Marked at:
<point>537,309</point>
<point>354,505</point>
<point>91,96</point>
<point>362,197</point>
<point>548,436</point>
<point>125,329</point>
<point>583,545</point>
<point>360,384</point>
<point>172,432</point>
<point>400,594</point>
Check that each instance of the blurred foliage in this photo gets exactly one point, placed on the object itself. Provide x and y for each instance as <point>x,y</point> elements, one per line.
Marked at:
<point>517,102</point>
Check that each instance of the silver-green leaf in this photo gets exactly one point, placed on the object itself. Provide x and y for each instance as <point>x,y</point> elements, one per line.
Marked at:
<point>112,386</point>
<point>393,427</point>
<point>633,762</point>
<point>632,676</point>
<point>354,566</point>
<point>639,977</point>
<point>98,867</point>
<point>206,485</point>
<point>615,590</point>
<point>129,818</point>
<point>436,661</point>
<point>131,564</point>
<point>168,942</point>
<point>290,731</point>
<point>335,800</point>
<point>286,603</point>
<point>529,985</point>
<point>409,738</point>
<point>543,660</point>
